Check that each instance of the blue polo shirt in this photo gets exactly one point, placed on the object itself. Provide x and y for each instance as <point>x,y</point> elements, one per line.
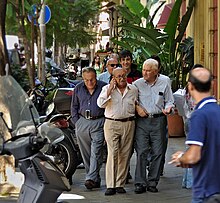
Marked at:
<point>205,132</point>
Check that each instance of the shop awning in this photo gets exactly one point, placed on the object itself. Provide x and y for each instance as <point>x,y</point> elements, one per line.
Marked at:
<point>165,15</point>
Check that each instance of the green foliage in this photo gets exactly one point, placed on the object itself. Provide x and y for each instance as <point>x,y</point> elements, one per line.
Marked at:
<point>70,22</point>
<point>148,40</point>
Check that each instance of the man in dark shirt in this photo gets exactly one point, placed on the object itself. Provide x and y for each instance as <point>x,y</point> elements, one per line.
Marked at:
<point>125,58</point>
<point>89,121</point>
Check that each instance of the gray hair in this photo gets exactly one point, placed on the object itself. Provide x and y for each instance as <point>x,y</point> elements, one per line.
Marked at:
<point>151,62</point>
<point>111,59</point>
<point>88,70</point>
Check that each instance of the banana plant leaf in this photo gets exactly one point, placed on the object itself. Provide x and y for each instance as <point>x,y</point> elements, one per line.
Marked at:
<point>136,7</point>
<point>144,44</point>
<point>128,15</point>
<point>122,44</point>
<point>185,20</point>
<point>153,35</point>
<point>150,40</point>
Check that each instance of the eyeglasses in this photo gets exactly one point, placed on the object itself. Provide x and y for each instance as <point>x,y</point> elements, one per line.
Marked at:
<point>121,76</point>
<point>113,65</point>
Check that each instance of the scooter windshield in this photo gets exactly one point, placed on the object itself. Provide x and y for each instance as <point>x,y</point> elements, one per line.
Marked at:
<point>15,103</point>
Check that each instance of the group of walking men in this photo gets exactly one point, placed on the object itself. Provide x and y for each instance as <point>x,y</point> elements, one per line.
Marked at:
<point>127,115</point>
<point>124,115</point>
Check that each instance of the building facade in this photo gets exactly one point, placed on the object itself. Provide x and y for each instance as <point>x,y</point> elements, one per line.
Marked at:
<point>204,28</point>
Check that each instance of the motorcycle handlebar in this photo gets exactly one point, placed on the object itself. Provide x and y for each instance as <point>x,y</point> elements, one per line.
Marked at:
<point>37,140</point>
<point>29,143</point>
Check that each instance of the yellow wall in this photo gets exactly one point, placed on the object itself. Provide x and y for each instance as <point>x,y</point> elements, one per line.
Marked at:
<point>203,37</point>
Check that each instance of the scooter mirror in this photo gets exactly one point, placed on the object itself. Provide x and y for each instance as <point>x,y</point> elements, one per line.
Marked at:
<point>50,109</point>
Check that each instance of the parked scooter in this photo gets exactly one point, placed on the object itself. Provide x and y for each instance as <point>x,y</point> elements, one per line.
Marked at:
<point>40,92</point>
<point>44,181</point>
<point>66,154</point>
<point>72,71</point>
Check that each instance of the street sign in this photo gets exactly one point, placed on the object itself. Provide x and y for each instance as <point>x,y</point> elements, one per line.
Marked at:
<point>33,14</point>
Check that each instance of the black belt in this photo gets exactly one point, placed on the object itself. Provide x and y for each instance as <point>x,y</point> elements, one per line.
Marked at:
<point>122,119</point>
<point>92,117</point>
<point>154,115</point>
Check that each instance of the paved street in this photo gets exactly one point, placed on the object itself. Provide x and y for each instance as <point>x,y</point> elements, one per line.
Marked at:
<point>170,189</point>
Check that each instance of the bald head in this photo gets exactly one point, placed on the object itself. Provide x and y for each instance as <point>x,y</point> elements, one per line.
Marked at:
<point>118,70</point>
<point>201,79</point>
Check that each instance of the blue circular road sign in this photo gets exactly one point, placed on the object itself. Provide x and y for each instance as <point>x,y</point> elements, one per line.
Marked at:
<point>33,13</point>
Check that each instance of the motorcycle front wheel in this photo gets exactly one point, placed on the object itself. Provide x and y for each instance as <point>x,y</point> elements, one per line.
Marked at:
<point>65,158</point>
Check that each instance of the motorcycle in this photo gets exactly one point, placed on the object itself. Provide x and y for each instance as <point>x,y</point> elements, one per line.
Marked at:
<point>40,92</point>
<point>44,181</point>
<point>66,154</point>
<point>72,71</point>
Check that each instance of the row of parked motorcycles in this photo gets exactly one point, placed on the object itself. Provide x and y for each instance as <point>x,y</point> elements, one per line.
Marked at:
<point>44,145</point>
<point>66,154</point>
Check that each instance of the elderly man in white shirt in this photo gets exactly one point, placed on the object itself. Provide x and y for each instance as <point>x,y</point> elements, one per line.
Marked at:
<point>155,102</point>
<point>119,99</point>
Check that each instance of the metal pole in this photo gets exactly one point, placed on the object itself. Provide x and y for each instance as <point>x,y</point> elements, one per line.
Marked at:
<point>43,39</point>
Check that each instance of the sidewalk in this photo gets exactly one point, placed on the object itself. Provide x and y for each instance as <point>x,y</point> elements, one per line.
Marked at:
<point>170,190</point>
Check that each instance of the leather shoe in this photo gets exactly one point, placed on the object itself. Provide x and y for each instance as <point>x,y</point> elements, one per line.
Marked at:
<point>120,190</point>
<point>110,191</point>
<point>152,189</point>
<point>92,184</point>
<point>139,188</point>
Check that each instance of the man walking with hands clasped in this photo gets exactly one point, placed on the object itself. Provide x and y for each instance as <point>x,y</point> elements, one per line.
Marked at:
<point>119,99</point>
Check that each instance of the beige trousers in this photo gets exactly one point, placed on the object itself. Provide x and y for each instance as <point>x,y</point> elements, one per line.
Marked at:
<point>119,137</point>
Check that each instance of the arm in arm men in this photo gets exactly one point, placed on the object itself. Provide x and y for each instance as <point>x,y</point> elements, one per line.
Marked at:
<point>165,103</point>
<point>140,110</point>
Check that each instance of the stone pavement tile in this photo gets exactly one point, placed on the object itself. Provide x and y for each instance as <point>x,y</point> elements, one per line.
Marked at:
<point>170,190</point>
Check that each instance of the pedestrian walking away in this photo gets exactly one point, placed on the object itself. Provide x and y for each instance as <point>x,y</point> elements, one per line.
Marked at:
<point>203,139</point>
<point>89,121</point>
<point>155,102</point>
<point>119,99</point>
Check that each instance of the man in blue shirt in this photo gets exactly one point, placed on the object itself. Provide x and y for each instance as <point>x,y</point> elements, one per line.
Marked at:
<point>89,121</point>
<point>203,139</point>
